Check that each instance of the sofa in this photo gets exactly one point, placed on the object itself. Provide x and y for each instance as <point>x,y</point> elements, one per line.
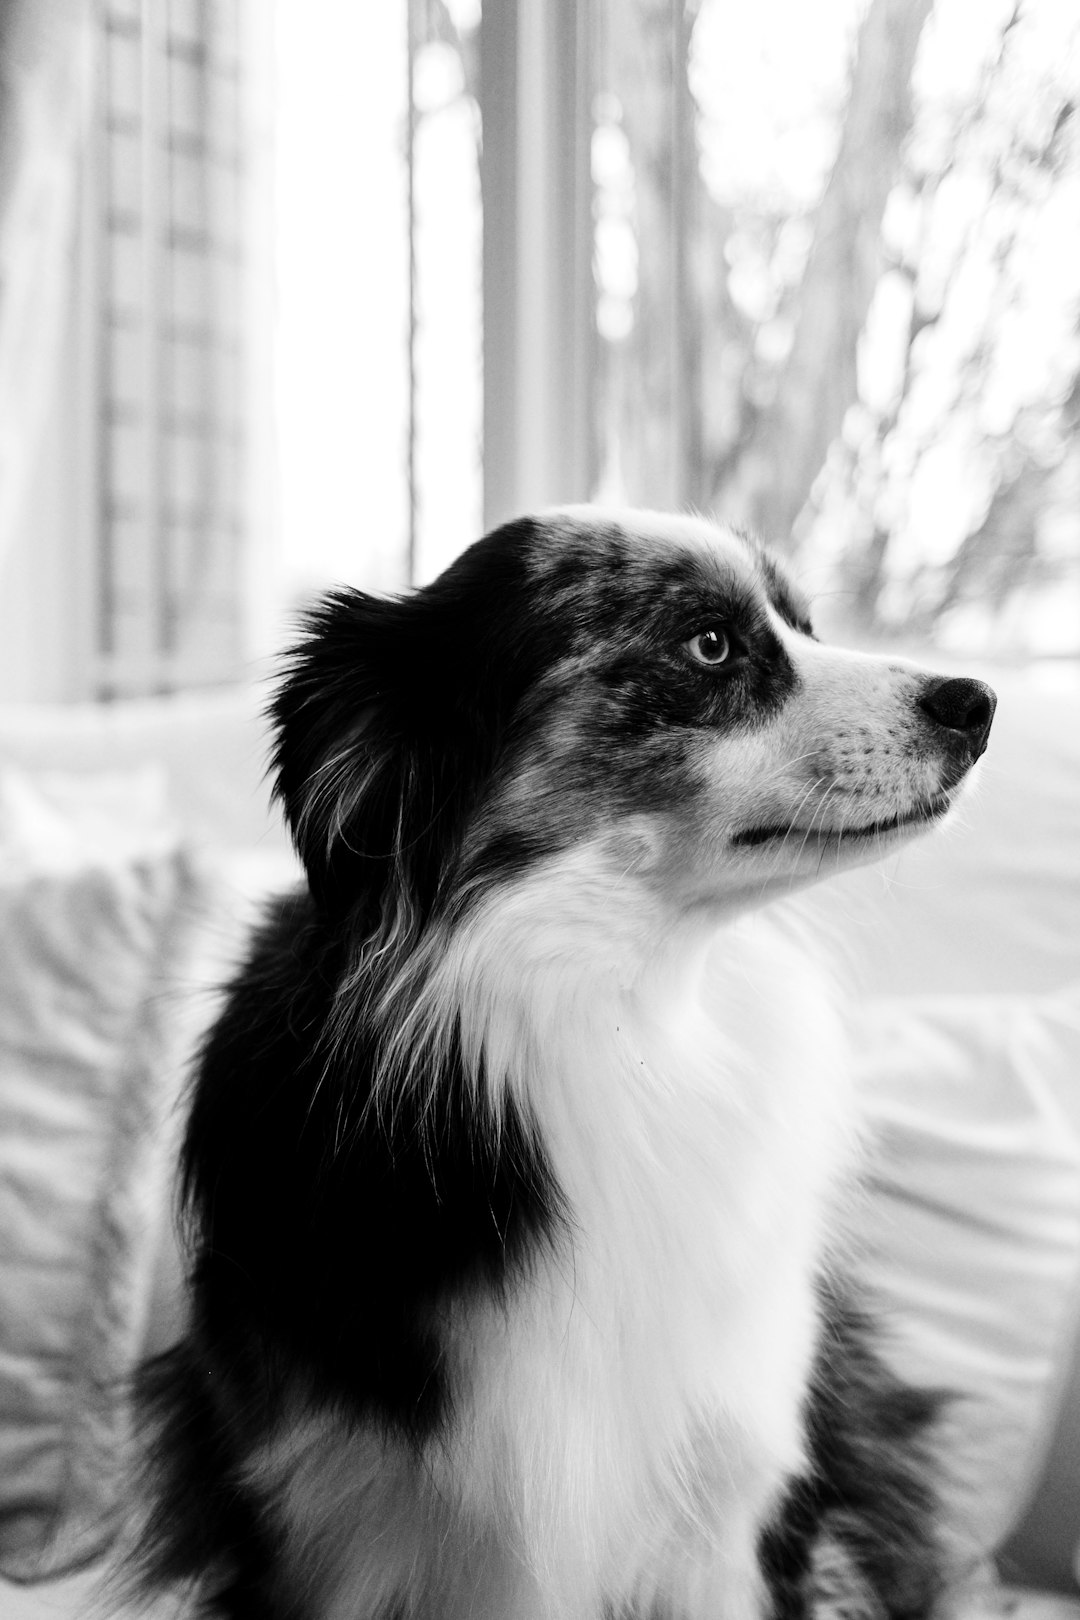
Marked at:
<point>136,844</point>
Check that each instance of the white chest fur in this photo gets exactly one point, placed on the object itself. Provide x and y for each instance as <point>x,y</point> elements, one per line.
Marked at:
<point>631,1414</point>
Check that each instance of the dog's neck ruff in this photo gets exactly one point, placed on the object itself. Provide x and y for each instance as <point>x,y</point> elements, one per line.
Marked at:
<point>695,1147</point>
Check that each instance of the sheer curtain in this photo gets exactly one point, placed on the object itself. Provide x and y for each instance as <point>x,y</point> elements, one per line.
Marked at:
<point>45,102</point>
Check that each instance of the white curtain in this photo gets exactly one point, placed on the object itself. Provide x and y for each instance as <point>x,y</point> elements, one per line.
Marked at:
<point>46,56</point>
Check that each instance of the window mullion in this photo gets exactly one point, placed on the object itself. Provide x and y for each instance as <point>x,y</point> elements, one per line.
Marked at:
<point>538,290</point>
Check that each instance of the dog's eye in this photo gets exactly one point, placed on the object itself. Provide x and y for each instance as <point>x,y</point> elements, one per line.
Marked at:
<point>712,646</point>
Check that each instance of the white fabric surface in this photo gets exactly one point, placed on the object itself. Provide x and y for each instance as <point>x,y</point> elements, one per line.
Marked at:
<point>89,1064</point>
<point>210,748</point>
<point>972,1225</point>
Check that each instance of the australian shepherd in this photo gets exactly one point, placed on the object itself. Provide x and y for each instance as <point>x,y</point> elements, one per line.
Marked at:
<point>511,1174</point>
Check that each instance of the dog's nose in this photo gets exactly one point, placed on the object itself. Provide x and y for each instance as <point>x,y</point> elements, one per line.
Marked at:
<point>961,705</point>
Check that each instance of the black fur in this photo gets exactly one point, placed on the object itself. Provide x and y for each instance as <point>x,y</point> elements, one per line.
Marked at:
<point>324,1233</point>
<point>870,1486</point>
<point>326,1224</point>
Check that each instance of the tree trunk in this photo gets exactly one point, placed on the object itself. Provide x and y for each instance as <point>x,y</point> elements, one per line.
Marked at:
<point>650,382</point>
<point>774,477</point>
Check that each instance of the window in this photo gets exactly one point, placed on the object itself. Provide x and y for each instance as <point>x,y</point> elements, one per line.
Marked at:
<point>838,297</point>
<point>807,267</point>
<point>378,257</point>
<point>168,265</point>
<point>812,268</point>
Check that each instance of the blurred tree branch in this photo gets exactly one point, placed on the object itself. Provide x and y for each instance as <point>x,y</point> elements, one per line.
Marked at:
<point>772,479</point>
<point>653,378</point>
<point>1028,462</point>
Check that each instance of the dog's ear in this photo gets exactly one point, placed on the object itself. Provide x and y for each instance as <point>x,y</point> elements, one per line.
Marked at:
<point>390,716</point>
<point>357,768</point>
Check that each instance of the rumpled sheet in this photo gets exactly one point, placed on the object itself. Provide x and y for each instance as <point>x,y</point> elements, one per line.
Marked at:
<point>93,927</point>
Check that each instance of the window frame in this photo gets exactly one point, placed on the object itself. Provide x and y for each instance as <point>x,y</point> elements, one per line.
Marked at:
<point>536,61</point>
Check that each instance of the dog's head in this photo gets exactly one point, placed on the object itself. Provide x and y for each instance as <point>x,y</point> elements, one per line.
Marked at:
<point>645,685</point>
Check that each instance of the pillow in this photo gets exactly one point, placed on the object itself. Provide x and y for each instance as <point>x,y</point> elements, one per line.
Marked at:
<point>99,910</point>
<point>971,1228</point>
<point>59,821</point>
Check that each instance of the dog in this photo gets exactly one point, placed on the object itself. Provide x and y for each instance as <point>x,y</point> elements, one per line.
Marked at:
<point>514,1165</point>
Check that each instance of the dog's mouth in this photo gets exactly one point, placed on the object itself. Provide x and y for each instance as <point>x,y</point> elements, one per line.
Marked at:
<point>814,836</point>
